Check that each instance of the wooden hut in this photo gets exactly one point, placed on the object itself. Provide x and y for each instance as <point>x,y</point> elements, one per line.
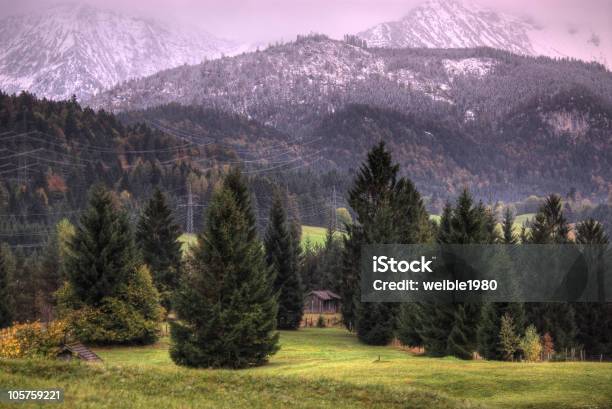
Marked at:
<point>76,350</point>
<point>321,302</point>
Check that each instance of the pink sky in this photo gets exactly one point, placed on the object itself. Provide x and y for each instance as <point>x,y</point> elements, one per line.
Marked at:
<point>269,20</point>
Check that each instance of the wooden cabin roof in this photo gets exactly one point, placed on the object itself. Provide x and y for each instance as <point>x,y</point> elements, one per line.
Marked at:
<point>324,295</point>
<point>81,351</point>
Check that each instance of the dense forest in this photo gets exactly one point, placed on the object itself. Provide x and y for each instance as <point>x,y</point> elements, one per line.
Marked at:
<point>442,109</point>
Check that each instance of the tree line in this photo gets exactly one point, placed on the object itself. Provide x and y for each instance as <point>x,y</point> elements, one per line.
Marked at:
<point>113,282</point>
<point>389,210</point>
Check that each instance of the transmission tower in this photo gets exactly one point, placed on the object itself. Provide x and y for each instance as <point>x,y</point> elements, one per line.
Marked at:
<point>334,215</point>
<point>189,210</point>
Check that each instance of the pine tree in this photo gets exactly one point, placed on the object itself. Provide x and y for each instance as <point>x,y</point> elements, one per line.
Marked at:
<point>388,210</point>
<point>550,227</point>
<point>281,256</point>
<point>508,235</point>
<point>594,322</point>
<point>409,324</point>
<point>157,237</point>
<point>6,313</point>
<point>225,305</point>
<point>102,252</point>
<point>109,298</point>
<point>459,343</point>
<point>234,181</point>
<point>549,224</point>
<point>465,223</point>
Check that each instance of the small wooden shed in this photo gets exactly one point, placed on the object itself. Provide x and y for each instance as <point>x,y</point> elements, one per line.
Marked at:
<point>321,302</point>
<point>76,350</point>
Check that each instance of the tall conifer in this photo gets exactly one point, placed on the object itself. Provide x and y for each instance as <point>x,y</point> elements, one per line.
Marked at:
<point>282,257</point>
<point>157,237</point>
<point>225,305</point>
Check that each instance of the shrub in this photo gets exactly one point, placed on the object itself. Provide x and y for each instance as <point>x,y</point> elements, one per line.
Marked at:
<point>321,322</point>
<point>132,317</point>
<point>31,340</point>
<point>530,344</point>
<point>548,347</point>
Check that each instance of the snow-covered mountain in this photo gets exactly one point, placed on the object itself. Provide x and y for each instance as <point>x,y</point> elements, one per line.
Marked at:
<point>465,24</point>
<point>78,49</point>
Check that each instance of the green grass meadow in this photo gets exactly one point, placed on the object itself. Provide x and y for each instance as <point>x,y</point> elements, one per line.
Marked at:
<point>316,368</point>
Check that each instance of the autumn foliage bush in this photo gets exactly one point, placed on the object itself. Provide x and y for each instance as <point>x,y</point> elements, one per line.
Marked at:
<point>32,340</point>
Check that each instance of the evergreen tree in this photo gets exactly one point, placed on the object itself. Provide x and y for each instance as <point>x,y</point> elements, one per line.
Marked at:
<point>109,298</point>
<point>549,224</point>
<point>49,276</point>
<point>102,252</point>
<point>281,256</point>
<point>388,210</point>
<point>508,235</point>
<point>452,327</point>
<point>331,266</point>
<point>225,305</point>
<point>550,227</point>
<point>157,237</point>
<point>594,322</point>
<point>459,343</point>
<point>234,181</point>
<point>6,313</point>
<point>409,324</point>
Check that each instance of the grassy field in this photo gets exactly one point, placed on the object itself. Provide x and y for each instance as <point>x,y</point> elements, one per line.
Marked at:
<point>313,234</point>
<point>187,240</point>
<point>317,368</point>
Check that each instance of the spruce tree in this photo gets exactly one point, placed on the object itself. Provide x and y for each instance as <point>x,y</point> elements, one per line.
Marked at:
<point>388,210</point>
<point>459,343</point>
<point>234,182</point>
<point>102,252</point>
<point>409,324</point>
<point>550,227</point>
<point>226,308</point>
<point>465,223</point>
<point>157,237</point>
<point>109,298</point>
<point>508,235</point>
<point>281,256</point>
<point>6,313</point>
<point>594,322</point>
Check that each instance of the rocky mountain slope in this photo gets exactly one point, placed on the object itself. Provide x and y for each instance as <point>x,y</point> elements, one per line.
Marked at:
<point>78,49</point>
<point>461,117</point>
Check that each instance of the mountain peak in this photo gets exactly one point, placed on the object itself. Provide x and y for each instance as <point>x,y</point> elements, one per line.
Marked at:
<point>466,24</point>
<point>451,24</point>
<point>80,49</point>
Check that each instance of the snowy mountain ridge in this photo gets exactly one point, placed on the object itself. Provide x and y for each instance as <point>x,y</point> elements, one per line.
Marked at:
<point>466,24</point>
<point>78,49</point>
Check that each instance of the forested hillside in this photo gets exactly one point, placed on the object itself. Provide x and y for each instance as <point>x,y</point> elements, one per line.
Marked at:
<point>536,121</point>
<point>54,152</point>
